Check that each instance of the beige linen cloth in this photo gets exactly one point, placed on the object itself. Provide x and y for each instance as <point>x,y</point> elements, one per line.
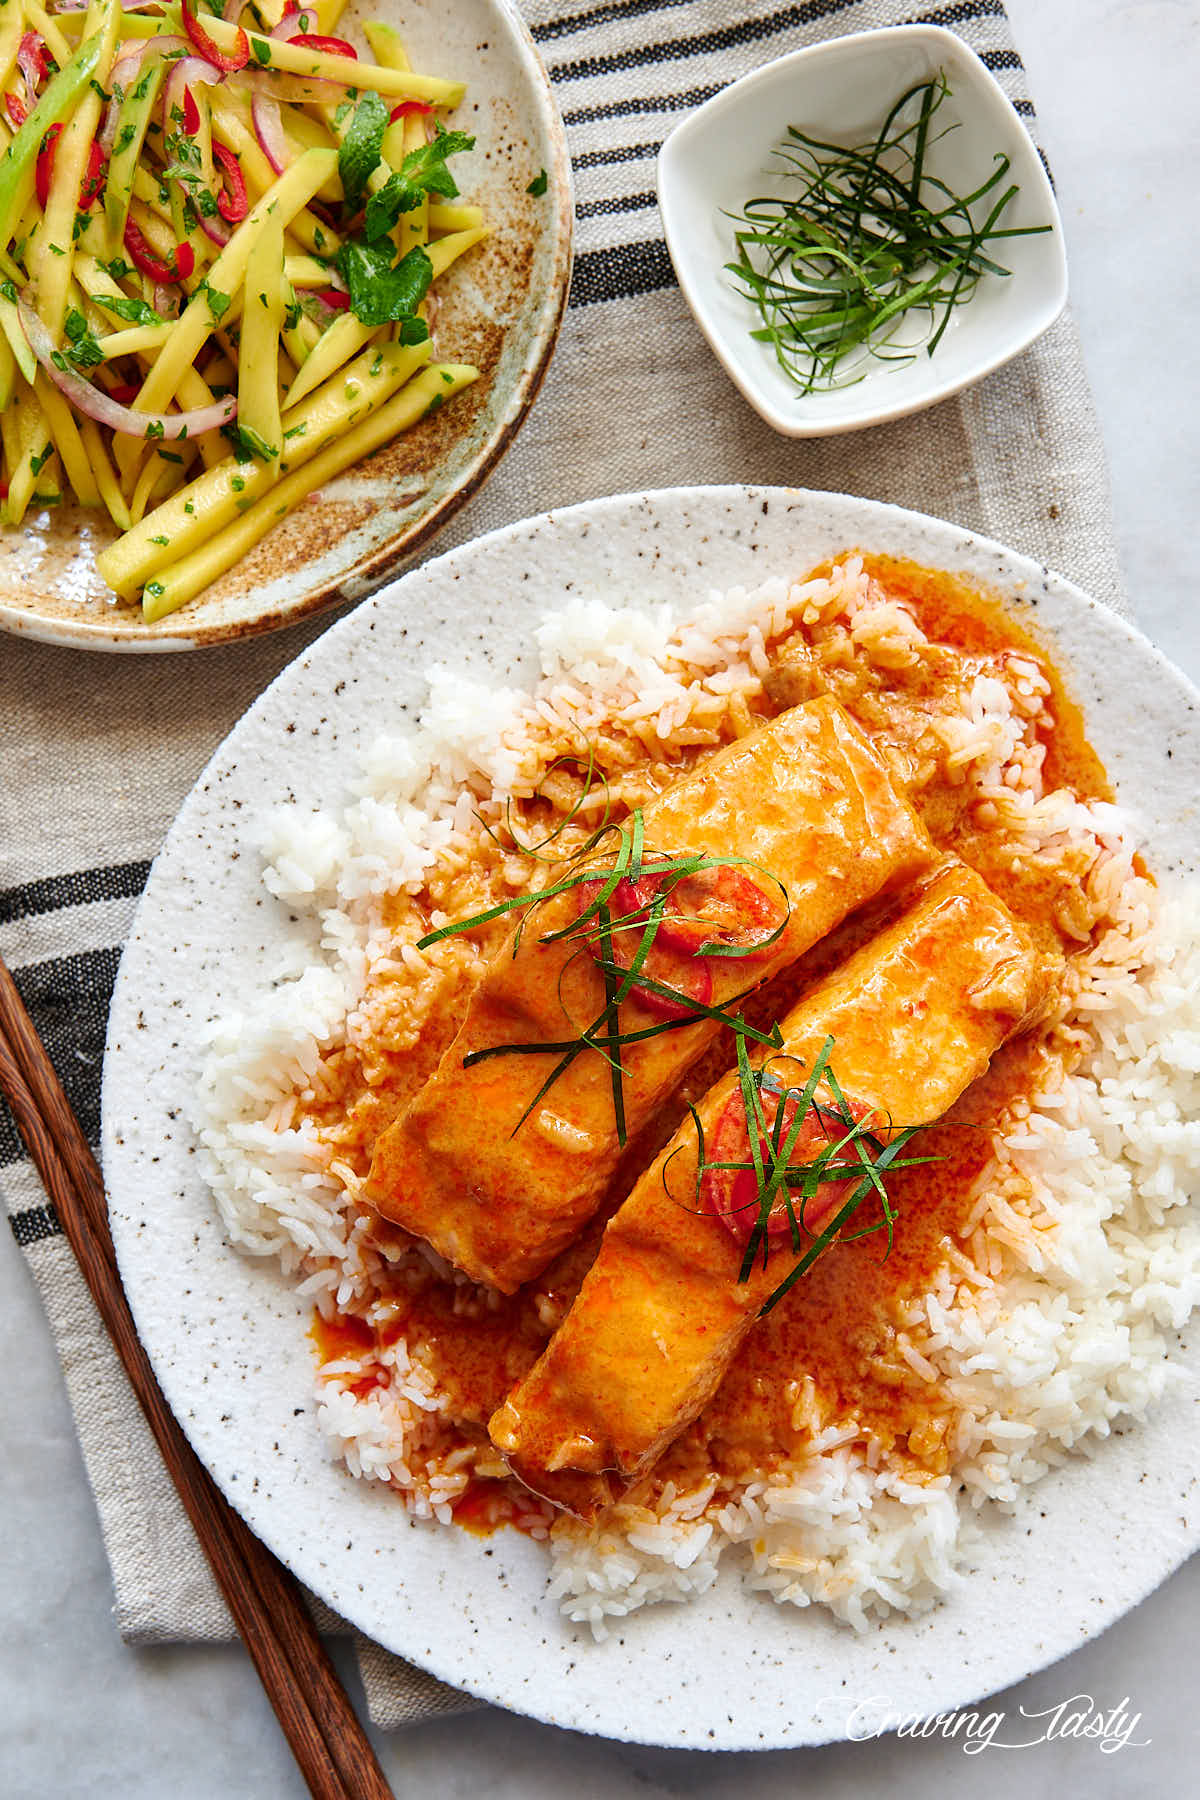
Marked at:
<point>97,752</point>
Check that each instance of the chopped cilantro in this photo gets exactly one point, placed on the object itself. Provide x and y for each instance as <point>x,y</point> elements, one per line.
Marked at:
<point>83,350</point>
<point>257,444</point>
<point>539,184</point>
<point>138,312</point>
<point>261,49</point>
<point>160,539</point>
<point>218,303</point>
<point>38,463</point>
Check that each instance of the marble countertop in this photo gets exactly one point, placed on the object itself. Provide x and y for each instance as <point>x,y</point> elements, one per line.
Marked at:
<point>1115,84</point>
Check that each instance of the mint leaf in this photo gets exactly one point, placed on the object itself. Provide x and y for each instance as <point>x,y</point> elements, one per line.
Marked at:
<point>423,171</point>
<point>380,292</point>
<point>361,148</point>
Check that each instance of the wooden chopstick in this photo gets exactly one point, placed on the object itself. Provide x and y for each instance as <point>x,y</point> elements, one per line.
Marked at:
<point>327,1740</point>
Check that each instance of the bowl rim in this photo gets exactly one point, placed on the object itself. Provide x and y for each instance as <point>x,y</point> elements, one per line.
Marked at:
<point>123,636</point>
<point>673,156</point>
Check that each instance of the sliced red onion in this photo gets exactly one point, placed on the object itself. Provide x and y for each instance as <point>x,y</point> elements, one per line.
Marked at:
<point>169,427</point>
<point>31,60</point>
<point>268,129</point>
<point>289,26</point>
<point>214,229</point>
<point>128,63</point>
<point>185,73</point>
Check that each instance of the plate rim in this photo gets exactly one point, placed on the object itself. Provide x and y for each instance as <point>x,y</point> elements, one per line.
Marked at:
<point>1018,568</point>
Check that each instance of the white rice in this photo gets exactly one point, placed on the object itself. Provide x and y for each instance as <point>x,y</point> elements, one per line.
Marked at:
<point>1051,1322</point>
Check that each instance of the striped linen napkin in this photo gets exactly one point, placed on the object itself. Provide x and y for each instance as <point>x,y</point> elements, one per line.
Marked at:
<point>98,752</point>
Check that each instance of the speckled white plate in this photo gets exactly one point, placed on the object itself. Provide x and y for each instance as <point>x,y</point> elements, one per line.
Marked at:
<point>499,308</point>
<point>227,1337</point>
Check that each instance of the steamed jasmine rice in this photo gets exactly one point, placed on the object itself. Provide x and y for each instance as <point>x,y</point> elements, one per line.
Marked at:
<point>1051,1316</point>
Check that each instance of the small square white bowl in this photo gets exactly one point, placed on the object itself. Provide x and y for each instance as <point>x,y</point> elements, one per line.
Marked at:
<point>721,155</point>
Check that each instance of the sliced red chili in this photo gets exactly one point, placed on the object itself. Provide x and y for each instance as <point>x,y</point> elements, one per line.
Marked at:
<point>227,61</point>
<point>124,393</point>
<point>690,977</point>
<point>330,46</point>
<point>333,297</point>
<point>191,113</point>
<point>44,172</point>
<point>92,185</point>
<point>716,906</point>
<point>16,109</point>
<point>732,1195</point>
<point>232,203</point>
<point>144,258</point>
<point>408,109</point>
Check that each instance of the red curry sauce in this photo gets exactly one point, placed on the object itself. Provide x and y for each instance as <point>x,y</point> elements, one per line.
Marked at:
<point>839,1326</point>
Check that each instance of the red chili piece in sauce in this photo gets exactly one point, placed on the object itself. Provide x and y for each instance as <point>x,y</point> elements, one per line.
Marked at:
<point>732,1195</point>
<point>718,906</point>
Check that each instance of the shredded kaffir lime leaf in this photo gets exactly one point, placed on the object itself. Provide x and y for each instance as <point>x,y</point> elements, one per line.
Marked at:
<point>866,241</point>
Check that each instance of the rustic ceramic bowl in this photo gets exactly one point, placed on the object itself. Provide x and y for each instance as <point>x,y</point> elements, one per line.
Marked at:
<point>499,308</point>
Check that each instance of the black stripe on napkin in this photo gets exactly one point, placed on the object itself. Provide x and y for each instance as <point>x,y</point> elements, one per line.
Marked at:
<point>647,103</point>
<point>621,273</point>
<point>957,13</point>
<point>592,209</point>
<point>593,159</point>
<point>83,887</point>
<point>599,15</point>
<point>34,1224</point>
<point>68,999</point>
<point>747,31</point>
